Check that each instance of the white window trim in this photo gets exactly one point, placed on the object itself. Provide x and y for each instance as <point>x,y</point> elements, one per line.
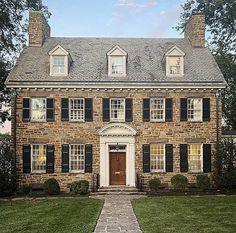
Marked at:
<point>76,171</point>
<point>31,110</point>
<point>159,170</point>
<point>164,113</point>
<point>77,120</point>
<point>66,62</point>
<point>110,66</point>
<point>117,120</point>
<point>31,157</point>
<point>192,120</point>
<point>181,66</point>
<point>201,158</point>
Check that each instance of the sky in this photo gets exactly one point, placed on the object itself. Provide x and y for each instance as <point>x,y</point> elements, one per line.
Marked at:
<point>112,18</point>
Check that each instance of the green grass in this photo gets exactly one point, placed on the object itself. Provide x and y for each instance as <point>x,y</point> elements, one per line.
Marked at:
<point>186,214</point>
<point>60,215</point>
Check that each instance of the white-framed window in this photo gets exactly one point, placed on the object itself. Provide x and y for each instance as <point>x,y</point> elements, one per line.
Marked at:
<point>157,157</point>
<point>117,65</point>
<point>38,109</point>
<point>77,109</point>
<point>194,109</point>
<point>77,157</point>
<point>117,109</point>
<point>175,65</point>
<point>58,64</point>
<point>38,158</point>
<point>157,109</point>
<point>195,157</point>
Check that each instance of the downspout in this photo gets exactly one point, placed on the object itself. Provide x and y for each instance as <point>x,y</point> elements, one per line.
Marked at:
<point>13,131</point>
<point>217,133</point>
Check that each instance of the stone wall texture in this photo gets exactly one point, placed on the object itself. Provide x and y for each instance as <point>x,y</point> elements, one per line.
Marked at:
<point>60,132</point>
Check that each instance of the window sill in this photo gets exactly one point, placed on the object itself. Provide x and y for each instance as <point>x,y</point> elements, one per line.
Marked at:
<point>76,121</point>
<point>37,172</point>
<point>158,172</point>
<point>77,172</point>
<point>117,121</point>
<point>162,121</point>
<point>34,121</point>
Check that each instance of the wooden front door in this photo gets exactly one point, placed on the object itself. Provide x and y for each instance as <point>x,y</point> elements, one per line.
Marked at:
<point>117,168</point>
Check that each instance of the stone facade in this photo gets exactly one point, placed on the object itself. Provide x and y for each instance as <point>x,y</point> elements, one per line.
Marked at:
<point>59,132</point>
<point>39,29</point>
<point>195,30</point>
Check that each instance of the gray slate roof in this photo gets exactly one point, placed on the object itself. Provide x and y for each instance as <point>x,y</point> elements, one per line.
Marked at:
<point>90,61</point>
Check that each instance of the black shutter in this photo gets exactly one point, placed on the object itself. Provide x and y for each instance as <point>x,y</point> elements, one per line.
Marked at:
<point>88,158</point>
<point>26,109</point>
<point>169,158</point>
<point>146,110</point>
<point>183,109</point>
<point>206,157</point>
<point>50,109</point>
<point>206,109</point>
<point>89,109</point>
<point>64,109</point>
<point>106,109</point>
<point>183,158</point>
<point>50,159</point>
<point>169,109</point>
<point>146,158</point>
<point>26,158</point>
<point>65,158</point>
<point>128,110</point>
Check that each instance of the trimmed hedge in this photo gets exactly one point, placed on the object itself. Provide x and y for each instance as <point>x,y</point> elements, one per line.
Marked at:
<point>51,187</point>
<point>179,182</point>
<point>203,182</point>
<point>154,184</point>
<point>80,187</point>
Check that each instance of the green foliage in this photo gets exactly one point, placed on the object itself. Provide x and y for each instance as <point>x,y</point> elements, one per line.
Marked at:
<point>179,182</point>
<point>203,182</point>
<point>80,186</point>
<point>26,189</point>
<point>154,184</point>
<point>13,27</point>
<point>226,165</point>
<point>51,186</point>
<point>7,168</point>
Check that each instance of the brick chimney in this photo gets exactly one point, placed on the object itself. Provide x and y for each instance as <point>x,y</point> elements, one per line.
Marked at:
<point>195,30</point>
<point>39,29</point>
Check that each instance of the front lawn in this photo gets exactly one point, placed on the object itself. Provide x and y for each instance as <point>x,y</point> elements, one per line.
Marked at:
<point>57,215</point>
<point>186,214</point>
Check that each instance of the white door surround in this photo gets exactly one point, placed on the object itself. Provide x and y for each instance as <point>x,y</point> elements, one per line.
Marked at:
<point>111,134</point>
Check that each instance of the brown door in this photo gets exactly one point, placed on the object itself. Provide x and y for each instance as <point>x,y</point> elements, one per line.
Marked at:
<point>117,168</point>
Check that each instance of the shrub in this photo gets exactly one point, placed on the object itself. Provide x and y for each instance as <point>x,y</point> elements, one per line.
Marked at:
<point>51,186</point>
<point>179,182</point>
<point>203,182</point>
<point>26,189</point>
<point>80,186</point>
<point>154,184</point>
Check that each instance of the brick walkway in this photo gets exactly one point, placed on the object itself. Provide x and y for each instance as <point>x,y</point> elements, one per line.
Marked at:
<point>117,215</point>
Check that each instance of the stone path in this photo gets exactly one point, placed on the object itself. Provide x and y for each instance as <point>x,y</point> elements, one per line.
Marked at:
<point>117,215</point>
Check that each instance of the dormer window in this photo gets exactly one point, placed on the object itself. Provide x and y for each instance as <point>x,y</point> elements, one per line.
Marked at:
<point>174,62</point>
<point>117,62</point>
<point>60,61</point>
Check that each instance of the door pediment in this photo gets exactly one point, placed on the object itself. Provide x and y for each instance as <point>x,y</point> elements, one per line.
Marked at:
<point>117,129</point>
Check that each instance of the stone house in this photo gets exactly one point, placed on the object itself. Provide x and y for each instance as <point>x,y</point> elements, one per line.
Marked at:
<point>117,107</point>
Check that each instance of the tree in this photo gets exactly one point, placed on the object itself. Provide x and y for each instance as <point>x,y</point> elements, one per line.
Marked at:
<point>13,28</point>
<point>221,26</point>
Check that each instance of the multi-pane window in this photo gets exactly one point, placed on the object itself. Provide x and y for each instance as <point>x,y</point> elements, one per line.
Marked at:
<point>38,157</point>
<point>77,157</point>
<point>174,65</point>
<point>76,109</point>
<point>157,157</point>
<point>157,108</point>
<point>194,109</point>
<point>58,65</point>
<point>195,157</point>
<point>117,65</point>
<point>38,109</point>
<point>117,107</point>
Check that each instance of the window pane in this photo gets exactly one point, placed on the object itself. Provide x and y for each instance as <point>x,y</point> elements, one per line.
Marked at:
<point>117,65</point>
<point>194,157</point>
<point>174,63</point>
<point>76,109</point>
<point>38,109</point>
<point>157,109</point>
<point>58,64</point>
<point>77,157</point>
<point>195,109</point>
<point>38,157</point>
<point>157,157</point>
<point>117,109</point>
